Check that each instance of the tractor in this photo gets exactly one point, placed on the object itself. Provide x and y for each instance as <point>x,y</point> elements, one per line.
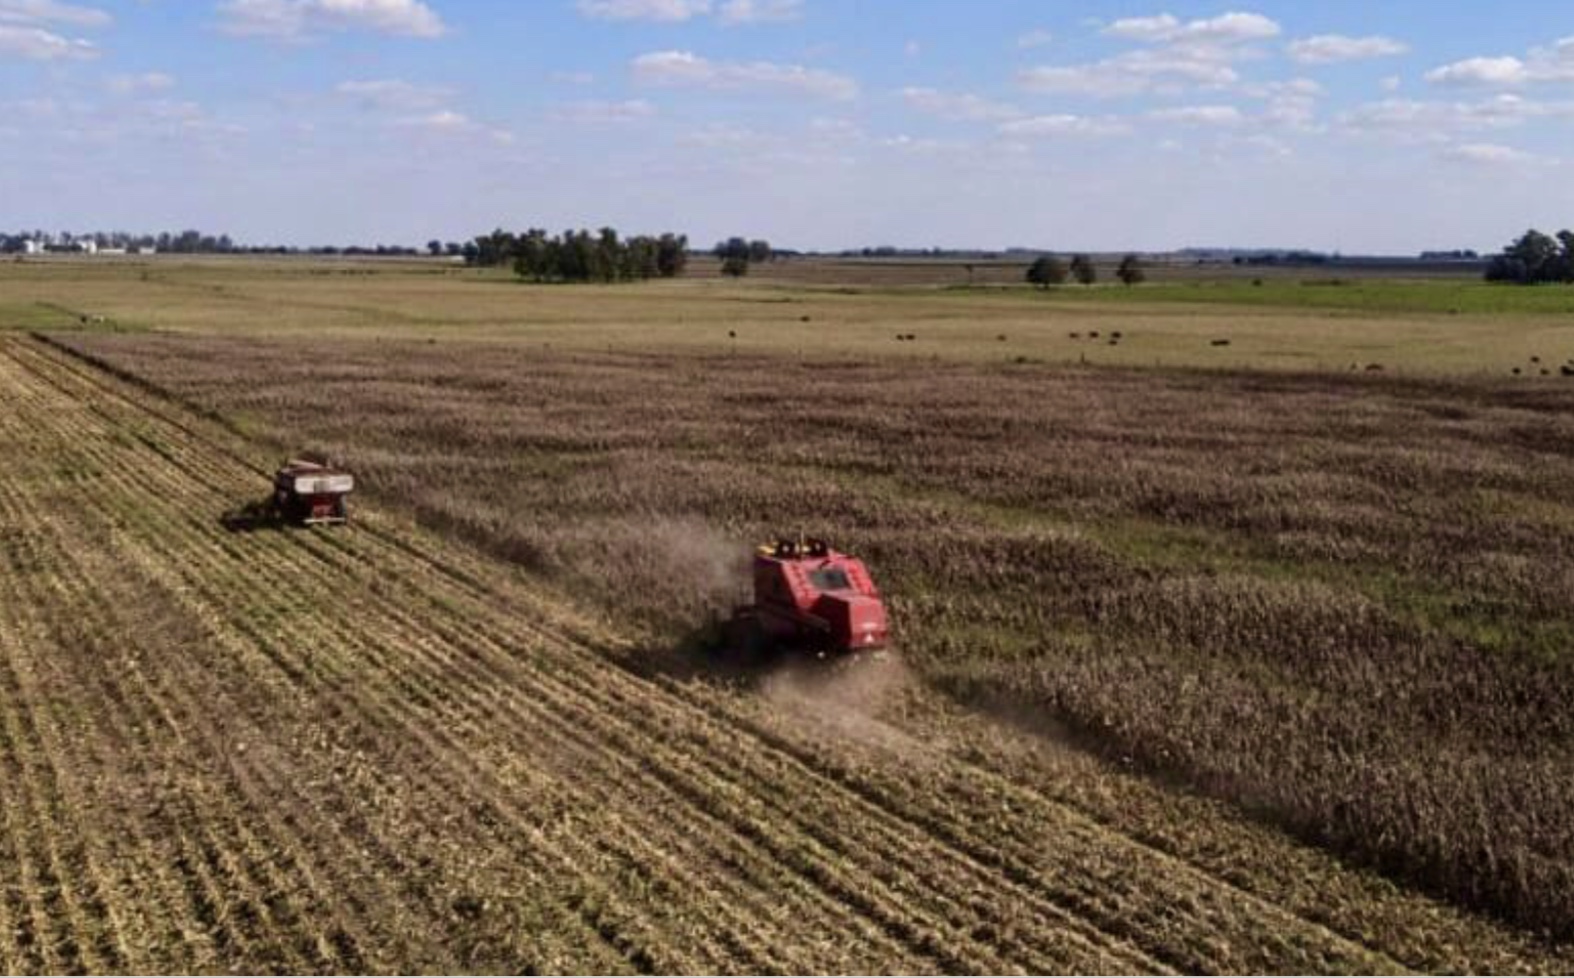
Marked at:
<point>308,491</point>
<point>809,597</point>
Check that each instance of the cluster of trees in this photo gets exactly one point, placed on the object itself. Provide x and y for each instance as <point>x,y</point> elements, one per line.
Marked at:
<point>1535,258</point>
<point>1048,271</point>
<point>581,256</point>
<point>737,254</point>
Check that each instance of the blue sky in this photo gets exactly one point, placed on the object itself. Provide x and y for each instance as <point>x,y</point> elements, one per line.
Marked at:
<point>1359,127</point>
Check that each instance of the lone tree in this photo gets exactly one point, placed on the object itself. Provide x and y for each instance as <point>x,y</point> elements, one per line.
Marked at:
<point>1082,269</point>
<point>737,253</point>
<point>1130,271</point>
<point>1047,271</point>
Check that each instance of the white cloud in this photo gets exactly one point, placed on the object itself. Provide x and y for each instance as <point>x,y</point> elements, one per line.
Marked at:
<point>1264,143</point>
<point>1200,115</point>
<point>298,19</point>
<point>51,12</point>
<point>760,11</point>
<point>1488,154</point>
<point>393,94</point>
<point>452,123</point>
<point>1034,39</point>
<point>844,129</point>
<point>1329,48</point>
<point>37,44</point>
<point>959,107</point>
<point>665,10</point>
<point>152,81</point>
<point>1065,125</point>
<point>1481,71</point>
<point>593,112</point>
<point>684,68</point>
<point>1132,73</point>
<point>724,135</point>
<point>1431,121</point>
<point>1291,104</point>
<point>924,146</point>
<point>728,12</point>
<point>1230,28</point>
<point>1392,83</point>
<point>1554,64</point>
<point>443,120</point>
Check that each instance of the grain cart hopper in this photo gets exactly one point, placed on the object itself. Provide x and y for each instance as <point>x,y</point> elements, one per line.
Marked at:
<point>810,597</point>
<point>308,492</point>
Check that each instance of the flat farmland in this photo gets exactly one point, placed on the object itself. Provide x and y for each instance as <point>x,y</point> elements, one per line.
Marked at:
<point>818,309</point>
<point>1214,669</point>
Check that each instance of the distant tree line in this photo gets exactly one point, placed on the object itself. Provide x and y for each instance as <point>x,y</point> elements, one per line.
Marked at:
<point>179,243</point>
<point>1535,258</point>
<point>182,243</point>
<point>1297,257</point>
<point>581,256</point>
<point>1048,271</point>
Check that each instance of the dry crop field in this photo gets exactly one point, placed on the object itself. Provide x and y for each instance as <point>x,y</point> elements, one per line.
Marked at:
<point>1196,670</point>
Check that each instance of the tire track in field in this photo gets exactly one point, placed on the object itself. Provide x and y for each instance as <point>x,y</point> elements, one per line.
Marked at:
<point>886,821</point>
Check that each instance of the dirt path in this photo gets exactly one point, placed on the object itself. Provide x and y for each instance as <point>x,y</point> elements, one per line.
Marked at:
<point>370,750</point>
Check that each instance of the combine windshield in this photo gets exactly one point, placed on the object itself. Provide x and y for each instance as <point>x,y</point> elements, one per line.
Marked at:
<point>830,579</point>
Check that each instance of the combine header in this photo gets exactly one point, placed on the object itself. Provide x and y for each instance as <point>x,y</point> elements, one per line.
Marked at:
<point>307,492</point>
<point>810,597</point>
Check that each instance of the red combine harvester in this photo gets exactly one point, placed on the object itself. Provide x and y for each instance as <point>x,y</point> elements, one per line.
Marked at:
<point>810,597</point>
<point>309,492</point>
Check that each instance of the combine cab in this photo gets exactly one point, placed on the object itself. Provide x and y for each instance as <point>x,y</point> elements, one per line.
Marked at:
<point>810,597</point>
<point>309,492</point>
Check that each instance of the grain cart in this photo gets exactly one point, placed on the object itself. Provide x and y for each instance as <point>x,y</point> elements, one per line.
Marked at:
<point>307,492</point>
<point>810,597</point>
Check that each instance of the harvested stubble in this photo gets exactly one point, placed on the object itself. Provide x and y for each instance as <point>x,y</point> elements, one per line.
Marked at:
<point>1340,603</point>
